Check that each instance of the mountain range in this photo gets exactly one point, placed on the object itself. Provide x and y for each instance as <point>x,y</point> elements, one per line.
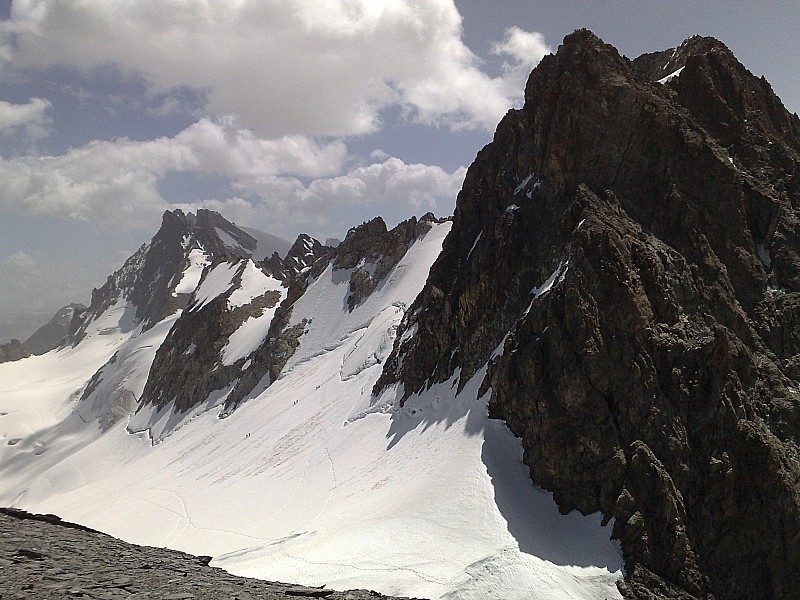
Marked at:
<point>585,384</point>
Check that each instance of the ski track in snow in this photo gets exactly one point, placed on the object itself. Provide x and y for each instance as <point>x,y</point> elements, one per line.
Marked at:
<point>311,480</point>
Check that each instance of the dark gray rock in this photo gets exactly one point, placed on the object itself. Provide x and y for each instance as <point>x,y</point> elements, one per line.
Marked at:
<point>13,350</point>
<point>44,558</point>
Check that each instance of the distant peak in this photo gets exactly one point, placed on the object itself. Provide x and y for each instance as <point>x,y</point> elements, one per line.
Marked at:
<point>581,36</point>
<point>657,65</point>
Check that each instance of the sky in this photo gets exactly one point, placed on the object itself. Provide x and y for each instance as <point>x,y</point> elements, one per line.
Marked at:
<point>289,116</point>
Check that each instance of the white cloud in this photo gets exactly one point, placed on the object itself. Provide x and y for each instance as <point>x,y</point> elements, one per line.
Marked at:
<point>31,118</point>
<point>525,49</point>
<point>117,181</point>
<point>327,67</point>
<point>391,188</point>
<point>19,261</point>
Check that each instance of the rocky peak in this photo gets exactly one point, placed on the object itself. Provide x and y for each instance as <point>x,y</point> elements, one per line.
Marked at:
<point>657,66</point>
<point>150,279</point>
<point>624,260</point>
<point>53,333</point>
<point>372,252</point>
<point>304,253</point>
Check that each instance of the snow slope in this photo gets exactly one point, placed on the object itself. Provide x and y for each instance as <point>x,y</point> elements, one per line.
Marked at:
<point>311,480</point>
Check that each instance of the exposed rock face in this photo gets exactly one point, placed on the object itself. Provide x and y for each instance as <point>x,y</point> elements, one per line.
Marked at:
<point>13,350</point>
<point>150,278</point>
<point>372,251</point>
<point>191,363</point>
<point>52,334</point>
<point>624,255</point>
<point>369,250</point>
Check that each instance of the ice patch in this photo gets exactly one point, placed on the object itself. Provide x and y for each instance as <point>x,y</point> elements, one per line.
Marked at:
<point>254,284</point>
<point>523,184</point>
<point>671,76</point>
<point>217,281</point>
<point>191,276</point>
<point>245,340</point>
<point>556,276</point>
<point>475,243</point>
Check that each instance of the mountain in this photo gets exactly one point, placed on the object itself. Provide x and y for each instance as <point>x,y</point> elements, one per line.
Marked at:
<point>602,343</point>
<point>624,257</point>
<point>50,335</point>
<point>13,350</point>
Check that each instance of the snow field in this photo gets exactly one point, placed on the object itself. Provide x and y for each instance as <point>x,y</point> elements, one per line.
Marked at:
<point>191,276</point>
<point>314,481</point>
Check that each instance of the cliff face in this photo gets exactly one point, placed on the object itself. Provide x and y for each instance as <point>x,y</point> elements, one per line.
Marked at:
<point>151,279</point>
<point>624,255</point>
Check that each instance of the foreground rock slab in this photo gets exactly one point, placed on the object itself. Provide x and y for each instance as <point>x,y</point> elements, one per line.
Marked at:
<point>45,558</point>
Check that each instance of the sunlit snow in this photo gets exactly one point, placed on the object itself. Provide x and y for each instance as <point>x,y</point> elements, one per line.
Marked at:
<point>216,282</point>
<point>671,76</point>
<point>191,276</point>
<point>254,283</point>
<point>312,480</point>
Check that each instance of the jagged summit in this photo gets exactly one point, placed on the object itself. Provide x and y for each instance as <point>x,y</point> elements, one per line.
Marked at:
<point>658,66</point>
<point>159,278</point>
<point>624,255</point>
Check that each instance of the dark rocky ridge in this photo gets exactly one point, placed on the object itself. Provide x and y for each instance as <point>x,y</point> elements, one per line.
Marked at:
<point>633,246</point>
<point>372,251</point>
<point>13,350</point>
<point>369,245</point>
<point>149,277</point>
<point>45,558</point>
<point>187,366</point>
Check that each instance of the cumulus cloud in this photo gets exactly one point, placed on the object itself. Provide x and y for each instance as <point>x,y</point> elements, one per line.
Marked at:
<point>32,118</point>
<point>117,181</point>
<point>390,187</point>
<point>524,50</point>
<point>290,181</point>
<point>286,68</point>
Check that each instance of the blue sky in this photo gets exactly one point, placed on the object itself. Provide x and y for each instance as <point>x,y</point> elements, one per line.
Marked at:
<point>285,115</point>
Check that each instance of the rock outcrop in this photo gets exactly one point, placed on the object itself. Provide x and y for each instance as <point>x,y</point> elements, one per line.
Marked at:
<point>13,350</point>
<point>46,558</point>
<point>624,256</point>
<point>371,252</point>
<point>195,359</point>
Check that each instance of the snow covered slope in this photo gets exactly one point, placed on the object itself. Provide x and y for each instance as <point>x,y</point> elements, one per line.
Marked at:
<point>310,479</point>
